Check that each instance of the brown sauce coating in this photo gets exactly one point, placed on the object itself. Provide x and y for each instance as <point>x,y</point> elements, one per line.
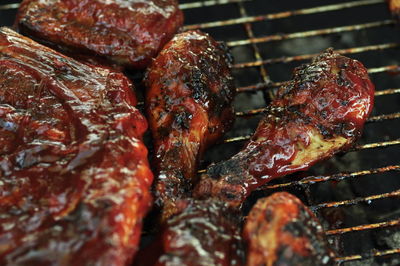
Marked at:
<point>320,112</point>
<point>281,230</point>
<point>189,106</point>
<point>128,33</point>
<point>74,176</point>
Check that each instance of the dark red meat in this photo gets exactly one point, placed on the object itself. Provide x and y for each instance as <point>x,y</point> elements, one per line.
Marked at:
<point>204,233</point>
<point>281,230</point>
<point>74,175</point>
<point>127,33</point>
<point>189,106</point>
<point>319,113</point>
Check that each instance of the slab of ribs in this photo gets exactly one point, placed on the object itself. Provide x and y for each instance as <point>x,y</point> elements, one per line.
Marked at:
<point>75,180</point>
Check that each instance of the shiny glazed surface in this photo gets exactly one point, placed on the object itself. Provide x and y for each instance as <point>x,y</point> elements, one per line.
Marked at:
<point>189,105</point>
<point>127,33</point>
<point>281,230</point>
<point>204,233</point>
<point>319,113</point>
<point>74,175</point>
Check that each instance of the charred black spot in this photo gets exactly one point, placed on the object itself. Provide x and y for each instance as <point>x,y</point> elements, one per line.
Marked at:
<point>324,131</point>
<point>229,167</point>
<point>295,228</point>
<point>182,119</point>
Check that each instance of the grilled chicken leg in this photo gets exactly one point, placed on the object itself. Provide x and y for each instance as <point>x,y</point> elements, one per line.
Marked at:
<point>189,106</point>
<point>280,230</point>
<point>319,113</point>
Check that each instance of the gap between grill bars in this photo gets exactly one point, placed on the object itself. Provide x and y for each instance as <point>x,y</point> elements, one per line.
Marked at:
<point>261,65</point>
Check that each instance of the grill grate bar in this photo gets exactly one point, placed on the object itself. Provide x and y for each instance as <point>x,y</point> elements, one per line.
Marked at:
<point>257,55</point>
<point>336,177</point>
<point>9,6</point>
<point>311,33</point>
<point>374,253</point>
<point>285,14</point>
<point>362,227</point>
<point>355,201</point>
<point>289,59</point>
<point>208,3</point>
<point>262,85</point>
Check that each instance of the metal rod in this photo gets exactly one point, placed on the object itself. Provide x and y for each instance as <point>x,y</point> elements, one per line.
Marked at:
<point>373,254</point>
<point>289,59</point>
<point>312,33</point>
<point>208,3</point>
<point>284,14</point>
<point>354,201</point>
<point>362,227</point>
<point>336,177</point>
<point>9,6</point>
<point>257,54</point>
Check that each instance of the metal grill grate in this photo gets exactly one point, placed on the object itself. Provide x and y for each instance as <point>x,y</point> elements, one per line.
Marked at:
<point>252,29</point>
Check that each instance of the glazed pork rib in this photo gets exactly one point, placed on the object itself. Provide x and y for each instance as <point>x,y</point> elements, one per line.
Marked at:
<point>317,114</point>
<point>74,176</point>
<point>128,33</point>
<point>189,106</point>
<point>281,230</point>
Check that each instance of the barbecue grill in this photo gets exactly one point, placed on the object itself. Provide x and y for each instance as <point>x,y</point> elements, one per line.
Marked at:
<point>355,195</point>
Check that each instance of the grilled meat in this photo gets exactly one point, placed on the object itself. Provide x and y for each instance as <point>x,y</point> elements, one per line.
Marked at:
<point>204,233</point>
<point>280,230</point>
<point>189,106</point>
<point>74,175</point>
<point>128,33</point>
<point>319,113</point>
<point>394,7</point>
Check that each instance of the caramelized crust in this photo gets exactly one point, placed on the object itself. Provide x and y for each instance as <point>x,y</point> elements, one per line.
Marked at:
<point>74,175</point>
<point>394,7</point>
<point>319,113</point>
<point>189,106</point>
<point>204,233</point>
<point>128,33</point>
<point>280,230</point>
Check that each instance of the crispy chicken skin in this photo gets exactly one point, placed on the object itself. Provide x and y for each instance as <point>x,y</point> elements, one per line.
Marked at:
<point>281,230</point>
<point>317,114</point>
<point>124,32</point>
<point>394,7</point>
<point>74,176</point>
<point>189,106</point>
<point>204,233</point>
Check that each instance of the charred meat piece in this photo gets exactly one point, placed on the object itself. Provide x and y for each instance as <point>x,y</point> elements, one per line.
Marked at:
<point>74,175</point>
<point>189,106</point>
<point>394,7</point>
<point>204,233</point>
<point>128,33</point>
<point>319,113</point>
<point>280,230</point>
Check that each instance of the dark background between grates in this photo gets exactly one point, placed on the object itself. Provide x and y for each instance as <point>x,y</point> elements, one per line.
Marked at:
<point>356,195</point>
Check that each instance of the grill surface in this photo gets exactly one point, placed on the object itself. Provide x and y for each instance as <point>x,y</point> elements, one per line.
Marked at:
<point>355,195</point>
